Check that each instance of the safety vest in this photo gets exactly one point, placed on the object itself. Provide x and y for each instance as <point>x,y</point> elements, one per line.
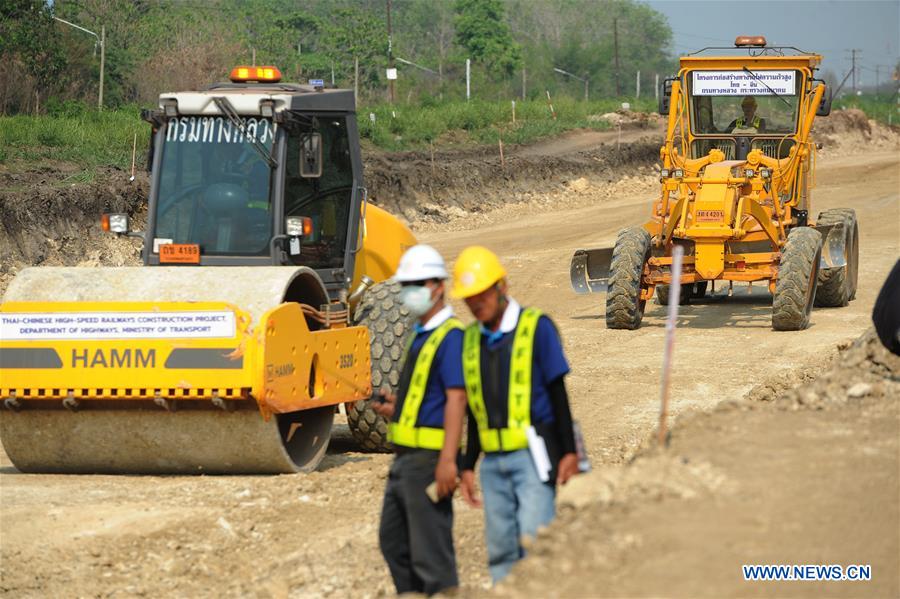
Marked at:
<point>514,435</point>
<point>739,123</point>
<point>404,431</point>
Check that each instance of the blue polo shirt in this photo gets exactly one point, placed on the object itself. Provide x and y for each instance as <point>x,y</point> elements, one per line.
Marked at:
<point>446,373</point>
<point>549,363</point>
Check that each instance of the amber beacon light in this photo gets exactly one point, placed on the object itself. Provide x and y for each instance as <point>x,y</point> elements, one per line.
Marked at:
<point>257,74</point>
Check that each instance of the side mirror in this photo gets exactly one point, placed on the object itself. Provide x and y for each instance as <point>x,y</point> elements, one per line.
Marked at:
<point>665,94</point>
<point>824,108</point>
<point>311,156</point>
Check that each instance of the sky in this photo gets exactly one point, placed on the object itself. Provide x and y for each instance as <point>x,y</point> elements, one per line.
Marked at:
<point>827,27</point>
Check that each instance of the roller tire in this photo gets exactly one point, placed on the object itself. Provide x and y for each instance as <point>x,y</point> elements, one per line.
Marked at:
<point>624,307</point>
<point>837,286</point>
<point>389,324</point>
<point>795,289</point>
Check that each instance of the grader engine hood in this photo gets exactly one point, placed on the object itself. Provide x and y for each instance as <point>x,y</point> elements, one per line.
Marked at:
<point>712,216</point>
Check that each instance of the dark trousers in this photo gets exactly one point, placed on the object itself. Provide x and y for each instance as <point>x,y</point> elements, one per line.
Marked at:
<point>416,535</point>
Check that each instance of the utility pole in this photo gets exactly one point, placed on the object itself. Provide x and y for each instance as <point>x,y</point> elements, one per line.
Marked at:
<point>853,56</point>
<point>101,39</point>
<point>616,51</point>
<point>102,65</point>
<point>390,50</point>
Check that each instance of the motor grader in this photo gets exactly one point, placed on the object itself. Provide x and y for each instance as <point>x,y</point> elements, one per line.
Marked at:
<point>231,348</point>
<point>737,171</point>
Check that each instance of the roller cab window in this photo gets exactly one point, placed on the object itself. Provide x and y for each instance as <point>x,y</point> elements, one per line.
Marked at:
<point>214,185</point>
<point>319,185</point>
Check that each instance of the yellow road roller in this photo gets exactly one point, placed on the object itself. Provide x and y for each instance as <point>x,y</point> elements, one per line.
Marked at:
<point>736,180</point>
<point>263,304</point>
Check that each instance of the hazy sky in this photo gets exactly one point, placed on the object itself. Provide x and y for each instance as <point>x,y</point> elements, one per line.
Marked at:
<point>827,27</point>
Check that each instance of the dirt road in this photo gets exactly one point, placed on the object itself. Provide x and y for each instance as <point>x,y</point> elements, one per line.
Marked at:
<point>315,535</point>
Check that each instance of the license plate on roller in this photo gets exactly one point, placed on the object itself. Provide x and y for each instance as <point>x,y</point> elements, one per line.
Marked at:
<point>179,253</point>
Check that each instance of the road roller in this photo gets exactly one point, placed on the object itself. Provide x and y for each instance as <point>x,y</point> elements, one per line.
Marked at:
<point>736,179</point>
<point>264,301</point>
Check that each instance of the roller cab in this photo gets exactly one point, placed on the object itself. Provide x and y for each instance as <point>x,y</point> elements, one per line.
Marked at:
<point>232,347</point>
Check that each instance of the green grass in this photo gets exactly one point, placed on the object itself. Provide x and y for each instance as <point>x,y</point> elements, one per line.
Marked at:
<point>883,108</point>
<point>404,127</point>
<point>90,139</point>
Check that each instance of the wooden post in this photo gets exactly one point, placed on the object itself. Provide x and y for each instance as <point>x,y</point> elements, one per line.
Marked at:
<point>500,142</point>
<point>671,321</point>
<point>637,86</point>
<point>523,83</point>
<point>514,111</point>
<point>431,145</point>
<point>550,104</point>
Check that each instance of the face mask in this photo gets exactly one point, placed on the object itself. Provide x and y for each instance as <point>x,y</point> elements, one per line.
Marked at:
<point>416,299</point>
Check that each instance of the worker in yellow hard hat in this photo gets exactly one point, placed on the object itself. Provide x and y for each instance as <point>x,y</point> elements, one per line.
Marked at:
<point>518,411</point>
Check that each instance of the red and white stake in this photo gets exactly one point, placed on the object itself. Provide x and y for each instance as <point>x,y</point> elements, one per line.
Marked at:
<point>671,321</point>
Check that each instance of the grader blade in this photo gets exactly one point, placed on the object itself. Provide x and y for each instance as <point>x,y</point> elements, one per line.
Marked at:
<point>589,270</point>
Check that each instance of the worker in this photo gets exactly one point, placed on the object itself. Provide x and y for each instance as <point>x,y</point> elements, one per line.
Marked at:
<point>425,427</point>
<point>518,410</point>
<point>749,123</point>
<point>886,313</point>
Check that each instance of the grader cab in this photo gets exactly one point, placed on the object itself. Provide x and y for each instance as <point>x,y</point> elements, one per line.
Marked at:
<point>230,350</point>
<point>737,172</point>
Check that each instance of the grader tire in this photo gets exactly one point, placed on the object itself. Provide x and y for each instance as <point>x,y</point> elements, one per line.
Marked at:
<point>624,306</point>
<point>798,278</point>
<point>388,323</point>
<point>837,286</point>
<point>662,294</point>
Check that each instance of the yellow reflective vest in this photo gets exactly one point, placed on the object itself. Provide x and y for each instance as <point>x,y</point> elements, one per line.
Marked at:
<point>404,431</point>
<point>514,435</point>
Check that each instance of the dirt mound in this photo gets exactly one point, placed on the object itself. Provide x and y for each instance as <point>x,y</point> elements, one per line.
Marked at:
<point>47,221</point>
<point>739,485</point>
<point>850,131</point>
<point>418,188</point>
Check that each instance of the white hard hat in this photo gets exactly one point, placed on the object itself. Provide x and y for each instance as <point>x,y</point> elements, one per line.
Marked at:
<point>420,263</point>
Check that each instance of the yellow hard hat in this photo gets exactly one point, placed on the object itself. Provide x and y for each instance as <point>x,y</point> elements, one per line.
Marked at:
<point>476,269</point>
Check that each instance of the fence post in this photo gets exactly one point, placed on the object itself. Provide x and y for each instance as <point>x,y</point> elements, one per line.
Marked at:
<point>637,86</point>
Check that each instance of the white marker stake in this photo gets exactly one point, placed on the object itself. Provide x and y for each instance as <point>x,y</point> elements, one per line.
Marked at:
<point>133,154</point>
<point>671,320</point>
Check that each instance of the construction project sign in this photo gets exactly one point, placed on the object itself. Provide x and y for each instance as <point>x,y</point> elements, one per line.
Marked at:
<point>103,326</point>
<point>744,83</point>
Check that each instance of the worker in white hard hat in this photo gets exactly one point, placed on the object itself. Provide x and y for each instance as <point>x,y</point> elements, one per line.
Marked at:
<point>425,427</point>
<point>749,123</point>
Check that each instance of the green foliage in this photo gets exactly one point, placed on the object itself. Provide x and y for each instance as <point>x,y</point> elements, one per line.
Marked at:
<point>482,30</point>
<point>27,38</point>
<point>89,139</point>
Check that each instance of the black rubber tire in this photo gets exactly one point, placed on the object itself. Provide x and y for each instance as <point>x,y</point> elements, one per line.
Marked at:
<point>687,292</point>
<point>700,289</point>
<point>624,307</point>
<point>837,286</point>
<point>389,323</point>
<point>795,289</point>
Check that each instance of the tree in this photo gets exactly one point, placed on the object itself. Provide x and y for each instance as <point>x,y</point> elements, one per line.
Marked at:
<point>28,39</point>
<point>481,29</point>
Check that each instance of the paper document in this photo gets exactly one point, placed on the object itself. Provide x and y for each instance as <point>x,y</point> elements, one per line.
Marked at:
<point>539,454</point>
